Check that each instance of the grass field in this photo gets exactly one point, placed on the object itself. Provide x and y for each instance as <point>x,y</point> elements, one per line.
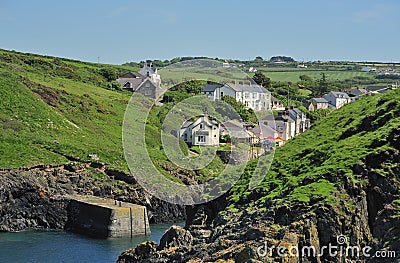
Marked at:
<point>293,75</point>
<point>176,74</point>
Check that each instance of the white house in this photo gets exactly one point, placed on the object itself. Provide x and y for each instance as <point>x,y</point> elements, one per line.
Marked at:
<point>337,99</point>
<point>203,131</point>
<point>152,73</point>
<point>251,95</point>
<point>285,126</point>
<point>300,120</point>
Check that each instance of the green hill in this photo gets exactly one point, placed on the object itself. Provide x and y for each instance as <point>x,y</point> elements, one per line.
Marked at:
<point>53,110</point>
<point>317,163</point>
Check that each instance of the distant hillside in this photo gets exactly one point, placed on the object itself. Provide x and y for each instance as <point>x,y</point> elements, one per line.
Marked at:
<point>54,110</point>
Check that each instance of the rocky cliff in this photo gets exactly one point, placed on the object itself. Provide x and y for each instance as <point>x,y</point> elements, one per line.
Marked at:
<point>37,197</point>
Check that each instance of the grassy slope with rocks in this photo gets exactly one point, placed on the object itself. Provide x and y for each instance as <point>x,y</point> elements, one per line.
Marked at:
<point>340,177</point>
<point>53,110</point>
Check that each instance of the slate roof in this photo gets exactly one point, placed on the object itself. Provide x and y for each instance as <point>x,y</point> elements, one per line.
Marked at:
<point>284,118</point>
<point>146,68</point>
<point>338,94</point>
<point>263,130</point>
<point>231,124</point>
<point>135,83</point>
<point>186,124</point>
<point>299,112</point>
<point>130,74</point>
<point>209,122</point>
<point>210,87</point>
<point>246,87</point>
<point>320,100</point>
<point>353,92</point>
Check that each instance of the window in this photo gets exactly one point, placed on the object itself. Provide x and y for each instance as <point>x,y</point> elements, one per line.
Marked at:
<point>147,85</point>
<point>246,95</point>
<point>147,91</point>
<point>201,138</point>
<point>222,94</point>
<point>201,126</point>
<point>254,95</point>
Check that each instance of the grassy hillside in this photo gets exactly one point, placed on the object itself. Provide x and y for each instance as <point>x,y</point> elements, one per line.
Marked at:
<point>293,75</point>
<point>53,109</point>
<point>316,166</point>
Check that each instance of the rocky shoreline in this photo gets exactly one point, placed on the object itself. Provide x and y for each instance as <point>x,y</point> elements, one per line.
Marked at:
<point>215,232</point>
<point>37,197</point>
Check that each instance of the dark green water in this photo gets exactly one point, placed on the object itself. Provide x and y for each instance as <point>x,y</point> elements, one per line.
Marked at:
<point>58,246</point>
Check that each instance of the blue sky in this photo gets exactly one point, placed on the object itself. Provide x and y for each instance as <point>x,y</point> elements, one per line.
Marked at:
<point>121,31</point>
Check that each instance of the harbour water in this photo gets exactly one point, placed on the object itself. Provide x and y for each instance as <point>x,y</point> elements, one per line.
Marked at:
<point>59,246</point>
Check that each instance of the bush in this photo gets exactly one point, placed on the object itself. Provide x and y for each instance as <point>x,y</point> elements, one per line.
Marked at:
<point>114,85</point>
<point>109,74</point>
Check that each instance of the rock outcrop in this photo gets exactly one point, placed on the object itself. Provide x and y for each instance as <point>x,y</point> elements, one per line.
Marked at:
<point>215,232</point>
<point>37,197</point>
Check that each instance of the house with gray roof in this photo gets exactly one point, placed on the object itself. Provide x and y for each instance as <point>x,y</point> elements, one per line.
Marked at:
<point>300,120</point>
<point>318,103</point>
<point>354,92</point>
<point>253,96</point>
<point>236,129</point>
<point>337,99</point>
<point>147,81</point>
<point>202,131</point>
<point>211,91</point>
<point>264,132</point>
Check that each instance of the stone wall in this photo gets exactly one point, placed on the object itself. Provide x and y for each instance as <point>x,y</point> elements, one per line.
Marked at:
<point>104,218</point>
<point>234,157</point>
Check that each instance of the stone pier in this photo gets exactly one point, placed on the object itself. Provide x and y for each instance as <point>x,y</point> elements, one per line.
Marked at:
<point>102,218</point>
